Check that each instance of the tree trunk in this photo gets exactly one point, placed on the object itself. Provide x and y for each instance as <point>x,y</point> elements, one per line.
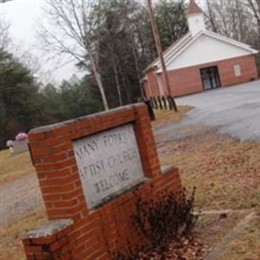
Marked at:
<point>98,80</point>
<point>211,18</point>
<point>125,85</point>
<point>240,22</point>
<point>117,80</point>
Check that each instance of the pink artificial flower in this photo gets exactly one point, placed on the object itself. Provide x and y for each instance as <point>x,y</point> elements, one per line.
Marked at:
<point>9,143</point>
<point>21,136</point>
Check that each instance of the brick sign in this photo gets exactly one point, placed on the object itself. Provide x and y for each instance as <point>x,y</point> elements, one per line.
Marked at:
<point>108,163</point>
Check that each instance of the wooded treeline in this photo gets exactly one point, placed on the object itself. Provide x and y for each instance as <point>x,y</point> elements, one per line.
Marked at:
<point>112,42</point>
<point>237,19</point>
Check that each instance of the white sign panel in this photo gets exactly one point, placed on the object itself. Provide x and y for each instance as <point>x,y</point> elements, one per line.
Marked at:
<point>108,162</point>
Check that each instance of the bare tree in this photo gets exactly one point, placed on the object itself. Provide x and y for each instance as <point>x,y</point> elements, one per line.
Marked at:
<point>238,19</point>
<point>254,5</point>
<point>4,36</point>
<point>234,18</point>
<point>71,34</point>
<point>118,22</point>
<point>211,17</point>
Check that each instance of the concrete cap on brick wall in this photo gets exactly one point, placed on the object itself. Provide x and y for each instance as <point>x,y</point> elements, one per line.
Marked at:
<point>78,119</point>
<point>167,168</point>
<point>49,229</point>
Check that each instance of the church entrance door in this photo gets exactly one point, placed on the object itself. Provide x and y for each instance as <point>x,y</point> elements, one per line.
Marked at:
<point>210,77</point>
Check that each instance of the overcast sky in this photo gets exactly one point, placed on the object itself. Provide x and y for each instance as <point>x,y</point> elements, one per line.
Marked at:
<point>23,17</point>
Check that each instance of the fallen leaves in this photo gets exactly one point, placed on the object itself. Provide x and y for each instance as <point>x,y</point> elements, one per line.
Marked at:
<point>226,171</point>
<point>182,249</point>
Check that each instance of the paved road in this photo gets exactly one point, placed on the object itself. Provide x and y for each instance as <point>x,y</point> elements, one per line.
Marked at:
<point>232,110</point>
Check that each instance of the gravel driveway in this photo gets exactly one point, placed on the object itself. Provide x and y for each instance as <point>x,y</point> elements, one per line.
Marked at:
<point>232,110</point>
<point>20,198</point>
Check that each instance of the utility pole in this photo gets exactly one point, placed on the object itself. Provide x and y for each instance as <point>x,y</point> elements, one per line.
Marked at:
<point>157,40</point>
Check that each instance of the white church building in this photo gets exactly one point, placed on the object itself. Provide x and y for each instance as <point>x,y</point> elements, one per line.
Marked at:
<point>201,60</point>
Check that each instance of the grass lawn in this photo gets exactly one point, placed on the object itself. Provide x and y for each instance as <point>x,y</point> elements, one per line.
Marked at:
<point>14,166</point>
<point>247,245</point>
<point>225,171</point>
<point>11,236</point>
<point>169,116</point>
<point>216,231</point>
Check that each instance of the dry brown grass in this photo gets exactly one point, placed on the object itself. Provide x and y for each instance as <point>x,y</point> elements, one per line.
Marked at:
<point>10,236</point>
<point>246,246</point>
<point>226,172</point>
<point>169,116</point>
<point>212,228</point>
<point>14,166</point>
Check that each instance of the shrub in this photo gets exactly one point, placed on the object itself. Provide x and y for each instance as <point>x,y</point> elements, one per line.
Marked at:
<point>162,221</point>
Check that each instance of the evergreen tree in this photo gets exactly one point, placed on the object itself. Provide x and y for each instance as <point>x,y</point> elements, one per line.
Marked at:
<point>73,98</point>
<point>171,20</point>
<point>21,105</point>
<point>115,36</point>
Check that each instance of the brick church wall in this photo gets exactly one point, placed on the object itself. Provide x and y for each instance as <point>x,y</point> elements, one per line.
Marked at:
<point>188,80</point>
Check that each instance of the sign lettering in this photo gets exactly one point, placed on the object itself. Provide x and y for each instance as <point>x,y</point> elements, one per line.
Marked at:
<point>108,162</point>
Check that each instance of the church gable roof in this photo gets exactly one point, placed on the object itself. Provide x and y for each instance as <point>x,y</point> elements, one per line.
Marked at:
<point>193,8</point>
<point>227,45</point>
<point>187,41</point>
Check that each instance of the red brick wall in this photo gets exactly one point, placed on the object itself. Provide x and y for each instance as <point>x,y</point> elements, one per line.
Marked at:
<point>146,89</point>
<point>248,70</point>
<point>187,81</point>
<point>96,233</point>
<point>160,81</point>
<point>153,84</point>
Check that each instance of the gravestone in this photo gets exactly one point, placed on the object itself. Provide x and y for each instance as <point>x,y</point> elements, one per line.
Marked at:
<point>20,146</point>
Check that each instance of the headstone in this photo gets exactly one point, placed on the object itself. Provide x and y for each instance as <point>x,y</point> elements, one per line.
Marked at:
<point>20,146</point>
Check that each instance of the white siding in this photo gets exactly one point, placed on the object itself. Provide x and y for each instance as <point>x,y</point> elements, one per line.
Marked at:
<point>196,23</point>
<point>237,70</point>
<point>204,50</point>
